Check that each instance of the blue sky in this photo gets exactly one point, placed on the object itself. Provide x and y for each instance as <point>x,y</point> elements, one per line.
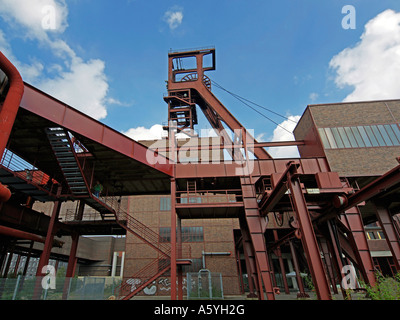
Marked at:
<point>109,58</point>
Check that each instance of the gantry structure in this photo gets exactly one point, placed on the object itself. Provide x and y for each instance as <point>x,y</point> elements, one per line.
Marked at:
<point>67,152</point>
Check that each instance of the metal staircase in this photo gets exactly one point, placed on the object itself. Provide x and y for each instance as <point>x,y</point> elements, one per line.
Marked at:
<point>66,157</point>
<point>143,278</point>
<point>143,232</point>
<point>155,268</point>
<point>65,154</point>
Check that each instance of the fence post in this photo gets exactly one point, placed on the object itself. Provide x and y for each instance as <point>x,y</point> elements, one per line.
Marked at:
<point>16,287</point>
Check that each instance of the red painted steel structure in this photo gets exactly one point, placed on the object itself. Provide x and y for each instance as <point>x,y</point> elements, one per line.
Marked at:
<point>9,109</point>
<point>326,222</point>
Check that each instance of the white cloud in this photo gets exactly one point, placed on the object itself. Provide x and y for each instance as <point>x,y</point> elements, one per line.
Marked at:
<point>173,17</point>
<point>84,86</point>
<point>372,66</point>
<point>142,133</point>
<point>81,84</point>
<point>29,71</point>
<point>283,133</point>
<point>34,14</point>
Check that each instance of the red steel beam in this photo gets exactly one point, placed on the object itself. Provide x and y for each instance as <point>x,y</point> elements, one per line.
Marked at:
<point>309,239</point>
<point>279,190</point>
<point>63,115</point>
<point>376,187</point>
<point>206,96</point>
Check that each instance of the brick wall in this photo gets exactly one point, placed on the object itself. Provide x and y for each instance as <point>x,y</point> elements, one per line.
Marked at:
<point>357,161</point>
<point>218,237</point>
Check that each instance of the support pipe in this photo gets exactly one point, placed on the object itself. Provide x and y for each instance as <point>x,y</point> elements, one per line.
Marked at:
<point>8,111</point>
<point>11,103</point>
<point>15,233</point>
<point>213,254</point>
<point>10,232</point>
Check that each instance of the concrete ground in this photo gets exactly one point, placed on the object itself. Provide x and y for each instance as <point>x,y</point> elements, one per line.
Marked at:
<point>282,296</point>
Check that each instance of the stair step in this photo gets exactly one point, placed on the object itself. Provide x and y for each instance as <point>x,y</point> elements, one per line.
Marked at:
<point>76,182</point>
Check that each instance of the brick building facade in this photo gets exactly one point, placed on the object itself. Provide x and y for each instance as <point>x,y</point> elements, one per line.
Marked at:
<point>361,141</point>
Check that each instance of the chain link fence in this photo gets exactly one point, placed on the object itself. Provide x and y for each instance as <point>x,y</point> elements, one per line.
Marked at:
<point>204,285</point>
<point>58,288</point>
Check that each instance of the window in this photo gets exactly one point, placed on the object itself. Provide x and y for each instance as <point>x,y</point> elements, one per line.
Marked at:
<point>390,130</point>
<point>344,137</point>
<point>338,140</point>
<point>378,136</point>
<point>360,137</point>
<point>371,235</point>
<point>165,204</point>
<point>189,234</point>
<point>385,135</point>
<point>191,200</point>
<point>330,137</point>
<point>192,234</point>
<point>381,235</point>
<point>324,138</point>
<point>352,138</point>
<point>165,234</point>
<point>364,136</point>
<point>357,136</point>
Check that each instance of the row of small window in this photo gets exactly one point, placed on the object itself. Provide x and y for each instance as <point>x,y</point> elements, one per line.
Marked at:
<point>189,234</point>
<point>165,203</point>
<point>360,136</point>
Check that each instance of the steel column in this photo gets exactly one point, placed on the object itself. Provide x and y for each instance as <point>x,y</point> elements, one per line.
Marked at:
<point>390,231</point>
<point>299,280</point>
<point>336,251</point>
<point>45,256</point>
<point>72,255</point>
<point>72,260</point>
<point>309,240</point>
<point>173,240</point>
<point>278,252</point>
<point>328,263</point>
<point>179,254</point>
<point>254,222</point>
<point>358,239</point>
<point>249,259</point>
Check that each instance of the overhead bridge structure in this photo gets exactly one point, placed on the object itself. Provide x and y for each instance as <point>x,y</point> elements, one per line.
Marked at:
<point>54,153</point>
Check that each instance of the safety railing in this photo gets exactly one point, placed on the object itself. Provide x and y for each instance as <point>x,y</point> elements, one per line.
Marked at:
<point>70,215</point>
<point>27,171</point>
<point>157,267</point>
<point>209,196</point>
